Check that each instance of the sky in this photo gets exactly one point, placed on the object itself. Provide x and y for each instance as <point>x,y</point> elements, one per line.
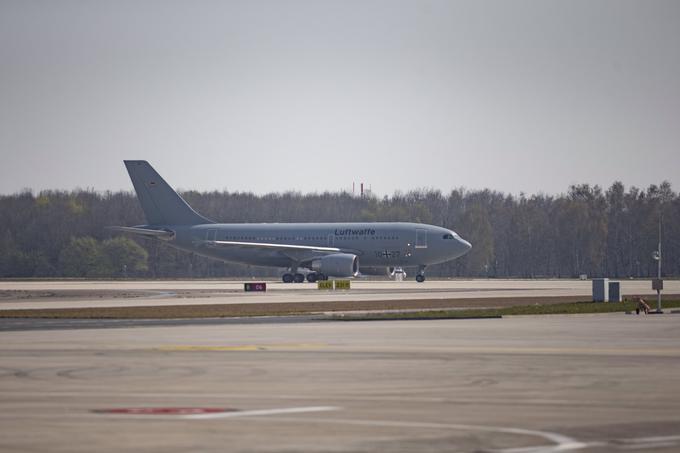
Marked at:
<point>516,96</point>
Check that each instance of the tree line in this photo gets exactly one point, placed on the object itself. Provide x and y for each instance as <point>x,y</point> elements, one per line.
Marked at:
<point>587,230</point>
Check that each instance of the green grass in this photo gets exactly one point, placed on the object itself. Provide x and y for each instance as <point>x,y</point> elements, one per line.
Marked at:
<point>570,308</point>
<point>542,307</point>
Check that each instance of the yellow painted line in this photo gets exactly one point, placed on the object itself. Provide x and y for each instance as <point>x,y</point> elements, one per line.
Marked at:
<point>245,347</point>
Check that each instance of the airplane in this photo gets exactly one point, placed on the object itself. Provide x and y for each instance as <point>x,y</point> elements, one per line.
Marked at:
<point>314,251</point>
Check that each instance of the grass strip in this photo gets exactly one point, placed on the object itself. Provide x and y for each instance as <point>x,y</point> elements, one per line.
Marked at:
<point>264,309</point>
<point>431,309</point>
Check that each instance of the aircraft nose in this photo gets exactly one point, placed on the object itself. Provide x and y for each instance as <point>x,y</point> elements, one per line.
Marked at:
<point>465,245</point>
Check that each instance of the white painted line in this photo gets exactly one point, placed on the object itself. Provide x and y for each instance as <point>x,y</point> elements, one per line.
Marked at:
<point>651,439</point>
<point>646,443</point>
<point>643,446</point>
<point>253,413</point>
<point>562,442</point>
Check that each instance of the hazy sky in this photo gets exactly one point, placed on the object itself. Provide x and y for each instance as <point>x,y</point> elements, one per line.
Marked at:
<point>311,95</point>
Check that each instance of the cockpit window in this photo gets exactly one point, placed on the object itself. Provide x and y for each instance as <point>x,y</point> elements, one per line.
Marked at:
<point>448,236</point>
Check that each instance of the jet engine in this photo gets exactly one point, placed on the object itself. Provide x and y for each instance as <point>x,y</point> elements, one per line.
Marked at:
<point>386,271</point>
<point>337,265</point>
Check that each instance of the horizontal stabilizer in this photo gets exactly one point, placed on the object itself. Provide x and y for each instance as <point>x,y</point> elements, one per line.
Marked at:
<point>164,234</point>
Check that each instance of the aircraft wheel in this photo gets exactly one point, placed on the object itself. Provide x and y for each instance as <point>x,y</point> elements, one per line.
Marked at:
<point>312,277</point>
<point>299,278</point>
<point>287,278</point>
<point>420,278</point>
<point>320,276</point>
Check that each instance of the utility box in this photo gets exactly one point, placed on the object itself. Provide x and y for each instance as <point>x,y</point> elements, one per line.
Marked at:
<point>600,289</point>
<point>614,292</point>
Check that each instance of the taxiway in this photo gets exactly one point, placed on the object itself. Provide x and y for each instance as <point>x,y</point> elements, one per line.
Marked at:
<point>529,384</point>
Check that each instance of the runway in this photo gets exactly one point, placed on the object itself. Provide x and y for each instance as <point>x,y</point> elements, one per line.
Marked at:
<point>521,384</point>
<point>80,294</point>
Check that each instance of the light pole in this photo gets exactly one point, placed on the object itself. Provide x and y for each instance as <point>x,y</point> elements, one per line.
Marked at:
<point>658,284</point>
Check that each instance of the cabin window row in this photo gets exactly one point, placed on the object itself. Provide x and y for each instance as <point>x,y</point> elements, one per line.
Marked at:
<point>301,238</point>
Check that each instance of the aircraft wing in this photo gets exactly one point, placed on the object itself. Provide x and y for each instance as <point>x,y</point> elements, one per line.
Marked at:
<point>160,234</point>
<point>296,252</point>
<point>269,245</point>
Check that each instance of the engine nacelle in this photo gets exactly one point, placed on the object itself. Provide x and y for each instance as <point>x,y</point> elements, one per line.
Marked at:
<point>386,271</point>
<point>337,265</point>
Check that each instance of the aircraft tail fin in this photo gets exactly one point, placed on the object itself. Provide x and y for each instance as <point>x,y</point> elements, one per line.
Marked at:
<point>160,203</point>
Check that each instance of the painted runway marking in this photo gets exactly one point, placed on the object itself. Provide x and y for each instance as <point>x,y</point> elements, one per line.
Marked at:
<point>164,410</point>
<point>637,443</point>
<point>562,442</point>
<point>244,347</point>
<point>646,443</point>
<point>260,412</point>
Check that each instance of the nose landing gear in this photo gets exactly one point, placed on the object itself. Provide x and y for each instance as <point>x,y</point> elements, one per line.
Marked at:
<point>420,277</point>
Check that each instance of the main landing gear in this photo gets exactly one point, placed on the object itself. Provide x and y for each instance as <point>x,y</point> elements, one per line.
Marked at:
<point>297,277</point>
<point>312,277</point>
<point>290,278</point>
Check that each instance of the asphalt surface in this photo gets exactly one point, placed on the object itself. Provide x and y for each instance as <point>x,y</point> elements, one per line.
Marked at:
<point>520,384</point>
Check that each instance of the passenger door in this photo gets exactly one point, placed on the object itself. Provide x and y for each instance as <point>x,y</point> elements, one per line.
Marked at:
<point>421,238</point>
